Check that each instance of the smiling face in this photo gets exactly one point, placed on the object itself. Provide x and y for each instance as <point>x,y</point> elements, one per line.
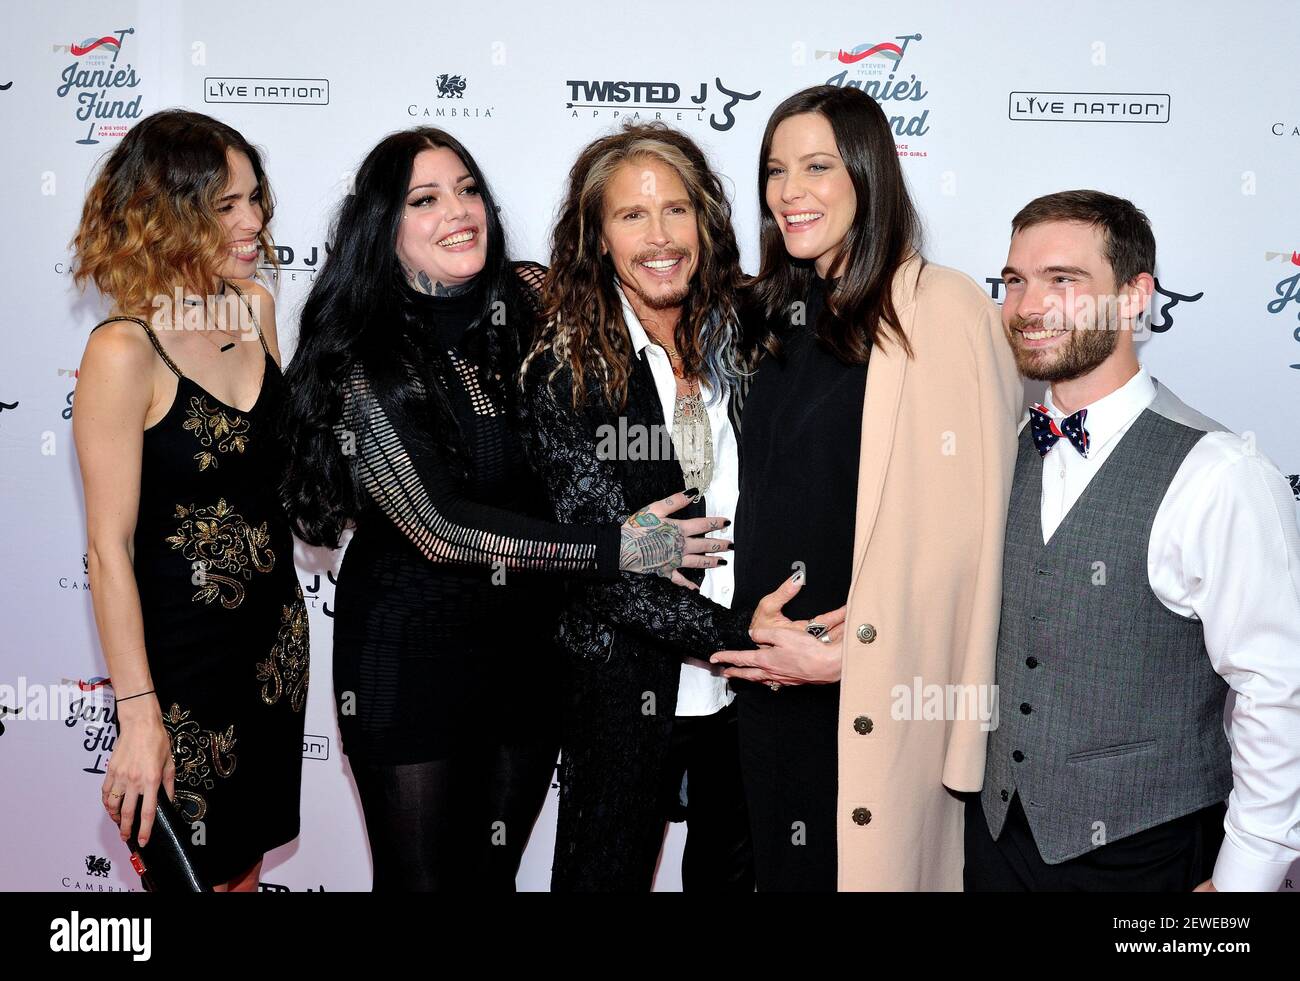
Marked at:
<point>809,191</point>
<point>443,233</point>
<point>650,232</point>
<point>1062,313</point>
<point>239,210</point>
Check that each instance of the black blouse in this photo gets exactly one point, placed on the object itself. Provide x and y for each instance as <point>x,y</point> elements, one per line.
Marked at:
<point>443,621</point>
<point>800,439</point>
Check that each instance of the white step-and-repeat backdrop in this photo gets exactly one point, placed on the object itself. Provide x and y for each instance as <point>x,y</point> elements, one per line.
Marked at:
<point>1190,109</point>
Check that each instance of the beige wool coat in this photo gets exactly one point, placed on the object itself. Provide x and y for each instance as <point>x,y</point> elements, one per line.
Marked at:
<point>938,451</point>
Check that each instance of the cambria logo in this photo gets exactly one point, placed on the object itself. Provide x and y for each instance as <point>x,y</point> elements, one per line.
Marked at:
<point>451,86</point>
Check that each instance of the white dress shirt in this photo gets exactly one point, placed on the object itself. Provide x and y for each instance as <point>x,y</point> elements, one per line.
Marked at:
<point>701,690</point>
<point>1224,549</point>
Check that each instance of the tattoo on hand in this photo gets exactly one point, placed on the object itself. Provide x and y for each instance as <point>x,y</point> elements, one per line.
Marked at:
<point>650,544</point>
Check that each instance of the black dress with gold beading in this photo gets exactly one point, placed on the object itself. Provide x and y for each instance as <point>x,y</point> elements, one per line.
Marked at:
<point>224,620</point>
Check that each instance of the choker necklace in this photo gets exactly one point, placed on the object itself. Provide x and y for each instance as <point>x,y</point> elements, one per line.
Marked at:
<point>223,348</point>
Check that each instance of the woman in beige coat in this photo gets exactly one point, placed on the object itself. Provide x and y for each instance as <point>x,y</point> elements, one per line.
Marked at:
<point>854,750</point>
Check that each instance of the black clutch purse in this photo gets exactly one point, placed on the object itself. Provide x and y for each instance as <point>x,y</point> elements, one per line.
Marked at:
<point>166,863</point>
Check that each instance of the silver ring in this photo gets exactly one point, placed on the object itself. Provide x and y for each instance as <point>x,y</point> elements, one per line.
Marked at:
<point>774,685</point>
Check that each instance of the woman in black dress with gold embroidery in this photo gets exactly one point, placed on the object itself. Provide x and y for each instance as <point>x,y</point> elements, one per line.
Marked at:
<point>199,610</point>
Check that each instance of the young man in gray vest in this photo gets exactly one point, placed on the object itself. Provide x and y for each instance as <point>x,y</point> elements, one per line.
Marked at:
<point>1152,565</point>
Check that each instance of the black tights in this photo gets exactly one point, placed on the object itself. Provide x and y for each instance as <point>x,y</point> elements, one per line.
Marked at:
<point>457,823</point>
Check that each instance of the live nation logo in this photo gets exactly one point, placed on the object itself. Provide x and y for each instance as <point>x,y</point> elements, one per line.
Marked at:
<point>268,91</point>
<point>100,82</point>
<point>1089,107</point>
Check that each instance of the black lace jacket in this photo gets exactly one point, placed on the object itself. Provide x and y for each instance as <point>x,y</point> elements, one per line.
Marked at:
<point>623,639</point>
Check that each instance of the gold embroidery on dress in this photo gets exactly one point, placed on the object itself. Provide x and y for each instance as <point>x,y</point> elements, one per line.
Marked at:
<point>214,427</point>
<point>286,666</point>
<point>217,539</point>
<point>200,756</point>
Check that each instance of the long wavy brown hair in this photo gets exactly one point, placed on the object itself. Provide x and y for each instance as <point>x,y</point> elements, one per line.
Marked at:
<point>150,222</point>
<point>582,313</point>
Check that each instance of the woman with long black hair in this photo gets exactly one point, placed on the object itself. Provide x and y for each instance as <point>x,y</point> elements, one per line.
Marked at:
<point>401,423</point>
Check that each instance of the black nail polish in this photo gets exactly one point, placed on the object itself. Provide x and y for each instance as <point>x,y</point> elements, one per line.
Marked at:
<point>726,523</point>
<point>722,561</point>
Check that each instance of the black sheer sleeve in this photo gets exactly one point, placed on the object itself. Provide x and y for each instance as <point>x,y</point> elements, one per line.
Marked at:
<point>585,489</point>
<point>426,504</point>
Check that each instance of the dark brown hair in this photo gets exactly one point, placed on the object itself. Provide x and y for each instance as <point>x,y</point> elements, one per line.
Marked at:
<point>1130,245</point>
<point>886,231</point>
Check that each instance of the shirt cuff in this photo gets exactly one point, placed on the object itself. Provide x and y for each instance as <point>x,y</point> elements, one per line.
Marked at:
<point>1237,870</point>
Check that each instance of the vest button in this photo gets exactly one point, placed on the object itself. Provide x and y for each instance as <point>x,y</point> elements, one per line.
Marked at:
<point>1018,756</point>
<point>1025,708</point>
<point>862,725</point>
<point>866,633</point>
<point>1031,661</point>
<point>861,816</point>
<point>1005,796</point>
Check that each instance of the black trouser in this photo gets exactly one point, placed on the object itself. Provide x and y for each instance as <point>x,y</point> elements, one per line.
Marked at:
<point>789,756</point>
<point>1176,856</point>
<point>457,823</point>
<point>701,784</point>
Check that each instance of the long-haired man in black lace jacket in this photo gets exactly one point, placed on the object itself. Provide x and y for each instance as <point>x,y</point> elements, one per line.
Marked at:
<point>629,394</point>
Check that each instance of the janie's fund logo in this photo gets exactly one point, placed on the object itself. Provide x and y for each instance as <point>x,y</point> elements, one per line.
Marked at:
<point>99,82</point>
<point>876,67</point>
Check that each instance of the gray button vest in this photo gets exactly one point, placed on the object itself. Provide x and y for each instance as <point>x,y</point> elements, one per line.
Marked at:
<point>1111,716</point>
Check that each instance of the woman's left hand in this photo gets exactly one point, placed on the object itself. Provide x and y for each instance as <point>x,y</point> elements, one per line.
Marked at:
<point>786,656</point>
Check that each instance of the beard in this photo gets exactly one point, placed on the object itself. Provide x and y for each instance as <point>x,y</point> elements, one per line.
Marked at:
<point>1084,349</point>
<point>661,300</point>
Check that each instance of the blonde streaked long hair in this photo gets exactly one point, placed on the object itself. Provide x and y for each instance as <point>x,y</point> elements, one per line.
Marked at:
<point>582,313</point>
<point>150,223</point>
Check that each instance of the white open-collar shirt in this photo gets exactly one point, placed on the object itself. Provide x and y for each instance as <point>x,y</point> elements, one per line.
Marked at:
<point>701,690</point>
<point>1224,549</point>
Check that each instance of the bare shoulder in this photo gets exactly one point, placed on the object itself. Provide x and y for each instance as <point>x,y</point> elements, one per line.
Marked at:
<point>117,377</point>
<point>120,346</point>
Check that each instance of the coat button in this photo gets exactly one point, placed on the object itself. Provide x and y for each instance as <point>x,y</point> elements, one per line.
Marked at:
<point>862,725</point>
<point>866,633</point>
<point>1005,795</point>
<point>1018,756</point>
<point>1025,708</point>
<point>861,815</point>
<point>1031,661</point>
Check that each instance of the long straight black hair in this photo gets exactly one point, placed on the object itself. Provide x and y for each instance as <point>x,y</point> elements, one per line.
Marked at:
<point>361,309</point>
<point>885,232</point>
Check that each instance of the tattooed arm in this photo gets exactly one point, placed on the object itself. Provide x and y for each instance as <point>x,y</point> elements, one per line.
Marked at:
<point>583,488</point>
